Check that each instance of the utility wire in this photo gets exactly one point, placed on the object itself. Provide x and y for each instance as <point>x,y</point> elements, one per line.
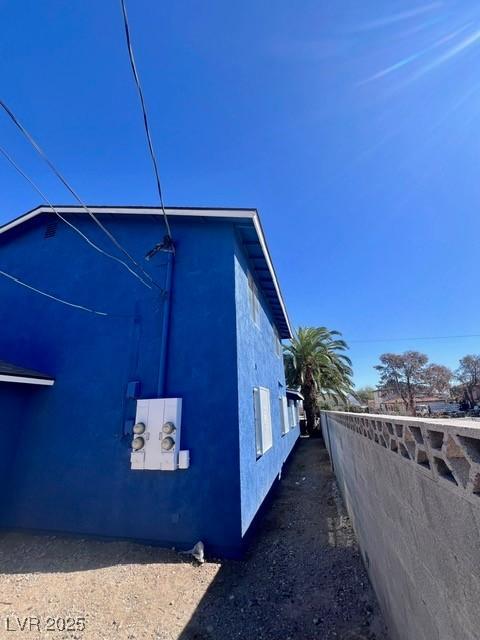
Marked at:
<point>466,335</point>
<point>145,118</point>
<point>67,222</point>
<point>49,295</point>
<point>43,155</point>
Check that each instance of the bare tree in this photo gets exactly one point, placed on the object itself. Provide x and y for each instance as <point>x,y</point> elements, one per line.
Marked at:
<point>408,374</point>
<point>437,378</point>
<point>404,374</point>
<point>468,374</point>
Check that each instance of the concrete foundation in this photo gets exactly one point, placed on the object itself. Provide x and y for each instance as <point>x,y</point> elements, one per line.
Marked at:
<point>412,489</point>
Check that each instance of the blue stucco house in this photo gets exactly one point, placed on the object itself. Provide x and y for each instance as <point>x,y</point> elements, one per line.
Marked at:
<point>155,408</point>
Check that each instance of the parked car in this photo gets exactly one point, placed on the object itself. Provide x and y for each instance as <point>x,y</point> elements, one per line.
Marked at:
<point>439,409</point>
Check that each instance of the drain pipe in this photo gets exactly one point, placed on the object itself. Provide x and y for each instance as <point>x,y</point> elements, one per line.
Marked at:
<point>162,371</point>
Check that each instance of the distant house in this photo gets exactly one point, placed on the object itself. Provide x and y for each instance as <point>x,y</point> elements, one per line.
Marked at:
<point>385,402</point>
<point>390,403</point>
<point>165,420</point>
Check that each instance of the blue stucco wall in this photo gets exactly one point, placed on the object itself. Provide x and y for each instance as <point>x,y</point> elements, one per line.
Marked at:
<point>258,365</point>
<point>72,470</point>
<point>13,403</point>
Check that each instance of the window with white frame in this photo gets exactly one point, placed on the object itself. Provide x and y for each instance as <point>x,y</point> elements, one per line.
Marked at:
<point>277,343</point>
<point>263,420</point>
<point>254,302</point>
<point>292,414</point>
<point>284,420</point>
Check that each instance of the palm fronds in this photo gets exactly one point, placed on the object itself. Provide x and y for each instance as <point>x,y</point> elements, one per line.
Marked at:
<point>316,362</point>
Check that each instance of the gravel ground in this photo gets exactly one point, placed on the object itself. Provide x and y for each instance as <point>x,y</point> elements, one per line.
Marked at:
<point>302,578</point>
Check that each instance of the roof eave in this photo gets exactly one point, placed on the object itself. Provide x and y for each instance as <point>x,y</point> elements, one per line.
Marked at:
<point>211,212</point>
<point>27,380</point>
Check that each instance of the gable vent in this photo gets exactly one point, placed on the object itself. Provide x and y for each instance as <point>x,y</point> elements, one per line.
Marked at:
<point>51,228</point>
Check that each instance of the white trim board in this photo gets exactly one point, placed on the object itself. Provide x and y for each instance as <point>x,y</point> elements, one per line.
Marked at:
<point>25,380</point>
<point>133,211</point>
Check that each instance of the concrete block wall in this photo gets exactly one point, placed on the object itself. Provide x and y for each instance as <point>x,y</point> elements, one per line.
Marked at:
<point>412,489</point>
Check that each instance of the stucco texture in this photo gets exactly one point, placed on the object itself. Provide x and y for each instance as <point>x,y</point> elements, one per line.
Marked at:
<point>71,470</point>
<point>68,466</point>
<point>258,366</point>
<point>418,529</point>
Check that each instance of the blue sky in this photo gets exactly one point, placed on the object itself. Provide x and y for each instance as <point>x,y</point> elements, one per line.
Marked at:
<point>352,126</point>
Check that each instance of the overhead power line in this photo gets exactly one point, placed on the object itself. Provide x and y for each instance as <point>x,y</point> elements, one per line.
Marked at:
<point>63,180</point>
<point>51,296</point>
<point>466,335</point>
<point>144,112</point>
<point>67,222</point>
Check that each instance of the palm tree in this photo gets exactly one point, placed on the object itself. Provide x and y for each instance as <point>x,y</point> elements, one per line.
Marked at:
<point>316,363</point>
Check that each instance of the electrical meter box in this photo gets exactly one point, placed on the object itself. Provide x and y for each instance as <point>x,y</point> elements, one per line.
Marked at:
<point>156,435</point>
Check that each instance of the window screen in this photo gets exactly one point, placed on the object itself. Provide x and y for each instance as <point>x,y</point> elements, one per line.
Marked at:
<point>284,421</point>
<point>277,343</point>
<point>263,420</point>
<point>254,303</point>
<point>292,413</point>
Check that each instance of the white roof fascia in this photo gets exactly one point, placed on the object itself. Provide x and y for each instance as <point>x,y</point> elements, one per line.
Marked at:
<point>26,380</point>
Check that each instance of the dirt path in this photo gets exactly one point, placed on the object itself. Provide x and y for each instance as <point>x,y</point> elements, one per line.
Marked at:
<point>302,578</point>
